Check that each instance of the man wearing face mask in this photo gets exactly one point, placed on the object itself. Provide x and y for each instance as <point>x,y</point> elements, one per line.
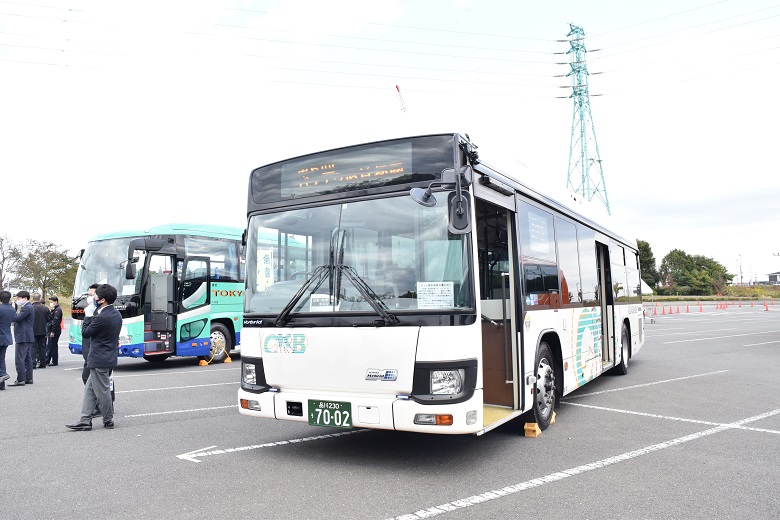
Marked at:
<point>55,329</point>
<point>103,329</point>
<point>88,312</point>
<point>24,338</point>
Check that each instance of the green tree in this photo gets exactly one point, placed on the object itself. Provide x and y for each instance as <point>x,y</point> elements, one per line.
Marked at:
<point>10,256</point>
<point>45,266</point>
<point>647,264</point>
<point>697,275</point>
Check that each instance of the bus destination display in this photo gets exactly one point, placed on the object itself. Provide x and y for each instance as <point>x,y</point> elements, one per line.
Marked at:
<point>346,170</point>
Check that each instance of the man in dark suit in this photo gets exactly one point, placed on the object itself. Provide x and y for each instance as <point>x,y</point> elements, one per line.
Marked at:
<point>25,339</point>
<point>55,329</point>
<point>7,314</point>
<point>88,312</point>
<point>39,330</point>
<point>103,330</point>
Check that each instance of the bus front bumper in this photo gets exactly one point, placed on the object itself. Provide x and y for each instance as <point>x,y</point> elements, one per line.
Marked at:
<point>381,412</point>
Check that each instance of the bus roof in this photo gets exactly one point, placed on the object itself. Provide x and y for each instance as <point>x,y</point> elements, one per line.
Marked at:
<point>207,230</point>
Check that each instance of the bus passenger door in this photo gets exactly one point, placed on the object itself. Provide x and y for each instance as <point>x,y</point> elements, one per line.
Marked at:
<point>160,315</point>
<point>494,237</point>
<point>194,320</point>
<point>607,306</point>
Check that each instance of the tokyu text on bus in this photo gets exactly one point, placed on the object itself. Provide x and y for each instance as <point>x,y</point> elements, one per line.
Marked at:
<point>180,290</point>
<point>407,285</point>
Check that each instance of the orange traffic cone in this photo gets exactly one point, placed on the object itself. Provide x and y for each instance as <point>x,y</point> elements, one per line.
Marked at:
<point>663,311</point>
<point>766,307</point>
<point>687,310</point>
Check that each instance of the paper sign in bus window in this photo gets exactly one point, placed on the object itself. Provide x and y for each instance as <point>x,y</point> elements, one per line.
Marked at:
<point>538,234</point>
<point>435,295</point>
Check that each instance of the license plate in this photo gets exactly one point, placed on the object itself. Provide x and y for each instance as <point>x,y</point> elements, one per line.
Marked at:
<point>334,414</point>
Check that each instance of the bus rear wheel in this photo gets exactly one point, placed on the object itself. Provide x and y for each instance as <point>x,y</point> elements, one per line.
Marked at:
<point>622,368</point>
<point>544,390</point>
<point>220,343</point>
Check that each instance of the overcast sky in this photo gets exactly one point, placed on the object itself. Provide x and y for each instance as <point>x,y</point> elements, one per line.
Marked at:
<point>127,114</point>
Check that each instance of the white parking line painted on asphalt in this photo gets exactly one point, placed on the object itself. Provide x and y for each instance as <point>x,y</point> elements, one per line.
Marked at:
<point>764,343</point>
<point>560,475</point>
<point>708,331</point>
<point>151,414</point>
<point>192,455</point>
<point>176,372</point>
<point>174,387</point>
<point>667,417</point>
<point>643,384</point>
<point>721,337</point>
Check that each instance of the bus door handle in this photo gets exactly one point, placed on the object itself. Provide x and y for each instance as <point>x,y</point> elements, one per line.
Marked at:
<point>506,332</point>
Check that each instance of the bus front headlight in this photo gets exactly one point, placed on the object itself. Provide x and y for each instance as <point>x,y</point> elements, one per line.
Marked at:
<point>249,373</point>
<point>447,382</point>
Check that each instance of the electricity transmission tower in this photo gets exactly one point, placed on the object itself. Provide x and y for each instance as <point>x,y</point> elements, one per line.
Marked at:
<point>584,183</point>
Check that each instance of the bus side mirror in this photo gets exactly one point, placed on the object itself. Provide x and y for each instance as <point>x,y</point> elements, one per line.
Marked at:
<point>130,268</point>
<point>460,213</point>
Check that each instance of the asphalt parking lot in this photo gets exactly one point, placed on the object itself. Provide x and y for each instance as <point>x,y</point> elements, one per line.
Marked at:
<point>693,431</point>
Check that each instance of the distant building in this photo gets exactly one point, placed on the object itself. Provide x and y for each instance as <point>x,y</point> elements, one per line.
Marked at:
<point>774,278</point>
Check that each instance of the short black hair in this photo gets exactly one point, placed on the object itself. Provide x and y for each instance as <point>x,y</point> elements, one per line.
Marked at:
<point>54,299</point>
<point>106,292</point>
<point>23,294</point>
<point>5,296</point>
<point>94,286</point>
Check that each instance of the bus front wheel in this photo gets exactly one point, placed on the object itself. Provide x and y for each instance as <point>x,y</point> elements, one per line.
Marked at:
<point>544,389</point>
<point>220,343</point>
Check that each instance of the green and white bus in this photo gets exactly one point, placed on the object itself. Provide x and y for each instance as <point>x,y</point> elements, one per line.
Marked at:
<point>180,290</point>
<point>427,291</point>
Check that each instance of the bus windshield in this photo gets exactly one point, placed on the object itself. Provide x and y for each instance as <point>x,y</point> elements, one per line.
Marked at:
<point>104,262</point>
<point>363,256</point>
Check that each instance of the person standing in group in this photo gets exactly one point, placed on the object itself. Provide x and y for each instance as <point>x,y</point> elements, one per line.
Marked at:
<point>103,329</point>
<point>55,329</point>
<point>6,317</point>
<point>24,338</point>
<point>88,312</point>
<point>40,329</point>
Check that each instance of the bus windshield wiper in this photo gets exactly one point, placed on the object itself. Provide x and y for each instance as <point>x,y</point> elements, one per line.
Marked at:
<point>369,295</point>
<point>317,276</point>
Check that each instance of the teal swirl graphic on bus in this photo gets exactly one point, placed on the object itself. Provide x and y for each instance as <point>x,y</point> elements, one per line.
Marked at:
<point>588,348</point>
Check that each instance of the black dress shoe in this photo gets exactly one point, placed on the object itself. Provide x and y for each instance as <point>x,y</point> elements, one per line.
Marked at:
<point>52,364</point>
<point>80,426</point>
<point>109,425</point>
<point>16,383</point>
<point>29,381</point>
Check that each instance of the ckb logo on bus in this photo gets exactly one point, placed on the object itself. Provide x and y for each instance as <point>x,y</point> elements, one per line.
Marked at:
<point>285,343</point>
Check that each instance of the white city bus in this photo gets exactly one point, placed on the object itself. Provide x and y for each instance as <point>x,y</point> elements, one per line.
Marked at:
<point>407,285</point>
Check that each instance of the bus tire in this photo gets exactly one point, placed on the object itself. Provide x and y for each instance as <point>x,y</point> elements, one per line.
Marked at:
<point>622,368</point>
<point>220,343</point>
<point>544,389</point>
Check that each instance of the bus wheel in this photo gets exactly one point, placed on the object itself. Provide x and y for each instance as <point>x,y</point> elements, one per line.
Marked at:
<point>544,391</point>
<point>220,343</point>
<point>622,368</point>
